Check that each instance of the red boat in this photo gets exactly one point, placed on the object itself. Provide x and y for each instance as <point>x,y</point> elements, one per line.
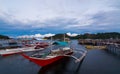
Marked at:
<point>48,58</point>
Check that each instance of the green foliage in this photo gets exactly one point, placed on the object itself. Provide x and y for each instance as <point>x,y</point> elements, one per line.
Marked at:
<point>4,37</point>
<point>107,35</point>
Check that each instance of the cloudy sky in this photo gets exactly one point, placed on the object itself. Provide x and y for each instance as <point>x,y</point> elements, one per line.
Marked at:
<point>30,17</point>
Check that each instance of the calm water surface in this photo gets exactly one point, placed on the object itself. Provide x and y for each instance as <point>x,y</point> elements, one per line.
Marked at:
<point>96,62</point>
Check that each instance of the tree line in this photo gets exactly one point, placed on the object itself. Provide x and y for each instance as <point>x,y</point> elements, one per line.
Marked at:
<point>107,35</point>
<point>4,37</point>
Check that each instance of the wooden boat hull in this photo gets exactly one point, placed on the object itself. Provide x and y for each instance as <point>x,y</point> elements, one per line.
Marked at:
<point>8,54</point>
<point>44,62</point>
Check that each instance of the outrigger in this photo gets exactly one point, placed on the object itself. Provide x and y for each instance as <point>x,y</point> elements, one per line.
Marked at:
<point>45,59</point>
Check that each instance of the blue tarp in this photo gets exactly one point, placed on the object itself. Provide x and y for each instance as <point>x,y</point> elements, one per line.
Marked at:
<point>61,43</point>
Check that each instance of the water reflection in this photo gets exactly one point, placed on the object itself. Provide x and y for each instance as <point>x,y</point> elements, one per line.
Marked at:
<point>79,66</point>
<point>59,67</point>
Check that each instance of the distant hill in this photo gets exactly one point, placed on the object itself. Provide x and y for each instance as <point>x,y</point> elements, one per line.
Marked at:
<point>107,35</point>
<point>61,37</point>
<point>110,35</point>
<point>4,37</point>
<point>57,36</point>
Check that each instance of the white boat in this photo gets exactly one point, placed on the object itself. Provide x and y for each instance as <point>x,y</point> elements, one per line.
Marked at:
<point>8,52</point>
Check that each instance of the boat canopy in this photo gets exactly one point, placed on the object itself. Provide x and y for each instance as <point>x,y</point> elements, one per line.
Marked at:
<point>60,43</point>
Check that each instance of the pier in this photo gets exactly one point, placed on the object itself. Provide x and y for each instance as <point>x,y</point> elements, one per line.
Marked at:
<point>98,42</point>
<point>114,48</point>
<point>111,45</point>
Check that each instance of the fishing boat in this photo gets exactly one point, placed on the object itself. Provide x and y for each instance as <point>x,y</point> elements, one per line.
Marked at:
<point>45,59</point>
<point>8,52</point>
<point>38,47</point>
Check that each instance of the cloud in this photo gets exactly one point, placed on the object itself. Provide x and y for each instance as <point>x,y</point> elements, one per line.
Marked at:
<point>49,35</point>
<point>27,11</point>
<point>70,34</point>
<point>60,15</point>
<point>36,36</point>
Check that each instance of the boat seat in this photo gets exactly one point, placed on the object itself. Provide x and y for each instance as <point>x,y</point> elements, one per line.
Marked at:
<point>50,56</point>
<point>66,48</point>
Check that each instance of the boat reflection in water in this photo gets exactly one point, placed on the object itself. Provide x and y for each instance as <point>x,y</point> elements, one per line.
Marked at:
<point>59,67</point>
<point>66,65</point>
